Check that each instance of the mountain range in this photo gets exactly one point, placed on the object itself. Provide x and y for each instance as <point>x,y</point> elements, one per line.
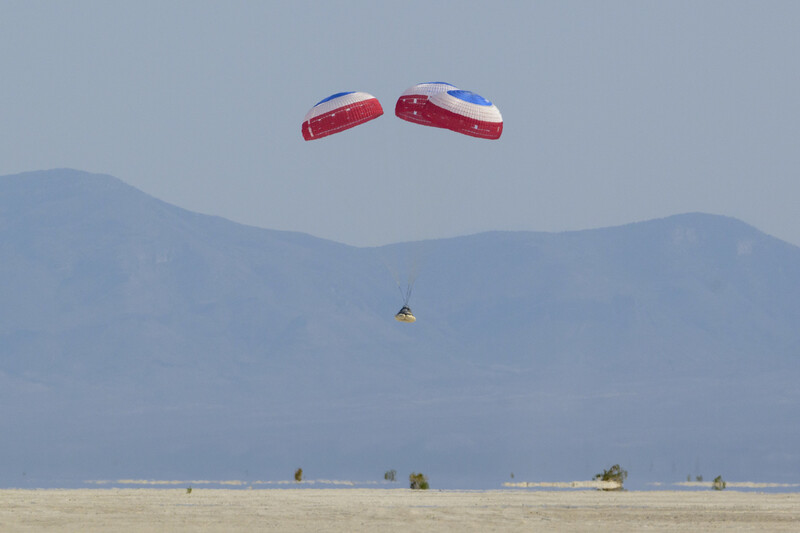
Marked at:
<point>141,340</point>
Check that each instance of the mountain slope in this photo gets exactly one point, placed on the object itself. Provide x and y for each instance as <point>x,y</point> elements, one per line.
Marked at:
<point>138,339</point>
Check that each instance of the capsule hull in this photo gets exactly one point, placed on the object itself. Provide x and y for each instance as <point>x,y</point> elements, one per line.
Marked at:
<point>405,317</point>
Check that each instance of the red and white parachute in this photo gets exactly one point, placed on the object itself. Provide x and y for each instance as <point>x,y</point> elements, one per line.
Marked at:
<point>442,105</point>
<point>465,112</point>
<point>339,112</point>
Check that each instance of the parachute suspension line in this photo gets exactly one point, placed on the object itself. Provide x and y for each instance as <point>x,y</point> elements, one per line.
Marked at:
<point>408,294</point>
<point>395,276</point>
<point>412,274</point>
<point>402,294</point>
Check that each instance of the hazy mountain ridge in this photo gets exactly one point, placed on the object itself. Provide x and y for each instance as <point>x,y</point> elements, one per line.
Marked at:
<point>689,272</point>
<point>149,319</point>
<point>120,255</point>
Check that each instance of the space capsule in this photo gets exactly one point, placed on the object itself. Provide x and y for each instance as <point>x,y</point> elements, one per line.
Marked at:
<point>405,315</point>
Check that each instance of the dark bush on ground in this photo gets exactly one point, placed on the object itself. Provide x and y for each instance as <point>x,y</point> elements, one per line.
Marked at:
<point>418,481</point>
<point>616,473</point>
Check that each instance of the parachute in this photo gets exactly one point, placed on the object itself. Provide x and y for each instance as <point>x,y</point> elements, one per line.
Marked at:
<point>443,105</point>
<point>464,112</point>
<point>339,112</point>
<point>412,102</point>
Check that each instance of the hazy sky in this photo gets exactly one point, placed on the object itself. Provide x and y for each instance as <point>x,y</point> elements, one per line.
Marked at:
<point>614,111</point>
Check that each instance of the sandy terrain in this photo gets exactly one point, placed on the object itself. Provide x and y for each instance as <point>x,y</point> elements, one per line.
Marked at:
<point>387,510</point>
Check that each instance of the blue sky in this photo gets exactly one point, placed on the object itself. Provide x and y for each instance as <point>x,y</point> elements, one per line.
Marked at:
<point>614,112</point>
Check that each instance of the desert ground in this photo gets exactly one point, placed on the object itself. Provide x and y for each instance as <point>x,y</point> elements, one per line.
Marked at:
<point>388,510</point>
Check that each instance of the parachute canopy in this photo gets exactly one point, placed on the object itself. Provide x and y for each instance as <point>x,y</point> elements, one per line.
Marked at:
<point>411,103</point>
<point>464,112</point>
<point>339,112</point>
<point>405,315</point>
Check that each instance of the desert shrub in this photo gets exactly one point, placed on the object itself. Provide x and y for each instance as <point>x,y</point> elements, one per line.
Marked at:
<point>188,490</point>
<point>616,473</point>
<point>719,484</point>
<point>418,481</point>
<point>298,475</point>
<point>390,475</point>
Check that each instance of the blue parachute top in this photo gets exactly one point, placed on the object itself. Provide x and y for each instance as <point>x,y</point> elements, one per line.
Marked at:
<point>331,97</point>
<point>470,97</point>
